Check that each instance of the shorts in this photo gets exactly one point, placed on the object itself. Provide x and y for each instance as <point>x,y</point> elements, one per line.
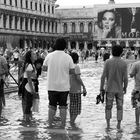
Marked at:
<point>75,103</point>
<point>58,98</point>
<point>135,99</point>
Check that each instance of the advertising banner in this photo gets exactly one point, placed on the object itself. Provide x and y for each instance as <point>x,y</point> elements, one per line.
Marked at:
<point>118,23</point>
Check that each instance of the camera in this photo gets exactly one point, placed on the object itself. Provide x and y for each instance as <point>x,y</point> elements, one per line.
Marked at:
<point>100,97</point>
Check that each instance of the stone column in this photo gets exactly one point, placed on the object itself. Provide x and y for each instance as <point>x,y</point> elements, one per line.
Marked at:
<point>77,27</point>
<point>51,27</point>
<point>46,30</point>
<point>77,45</point>
<point>23,24</point>
<point>69,27</point>
<point>25,43</point>
<point>58,27</point>
<point>50,8</point>
<point>13,22</point>
<point>137,44</point>
<point>37,25</point>
<point>127,43</point>
<point>18,3</point>
<point>23,3</point>
<point>85,45</point>
<point>46,7</point>
<point>86,27</point>
<point>13,3</point>
<point>69,45</point>
<point>33,25</point>
<point>42,26</point>
<point>48,26</point>
<point>29,20</point>
<point>18,22</point>
<point>1,1</point>
<point>1,20</point>
<point>7,21</point>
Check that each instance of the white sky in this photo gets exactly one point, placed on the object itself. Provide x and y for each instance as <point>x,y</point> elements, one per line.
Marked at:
<point>69,3</point>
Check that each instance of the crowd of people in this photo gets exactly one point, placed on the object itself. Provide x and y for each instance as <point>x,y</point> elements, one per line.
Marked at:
<point>64,79</point>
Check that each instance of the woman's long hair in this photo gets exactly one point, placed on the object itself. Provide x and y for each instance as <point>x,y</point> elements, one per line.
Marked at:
<point>27,60</point>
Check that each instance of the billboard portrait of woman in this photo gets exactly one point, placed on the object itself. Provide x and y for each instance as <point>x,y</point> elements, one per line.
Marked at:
<point>108,24</point>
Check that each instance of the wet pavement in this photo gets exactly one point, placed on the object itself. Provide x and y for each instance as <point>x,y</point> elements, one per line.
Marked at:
<point>90,124</point>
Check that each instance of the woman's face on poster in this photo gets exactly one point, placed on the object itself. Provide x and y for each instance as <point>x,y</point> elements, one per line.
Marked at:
<point>108,20</point>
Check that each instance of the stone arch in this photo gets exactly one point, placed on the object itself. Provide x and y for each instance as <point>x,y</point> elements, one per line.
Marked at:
<point>81,45</point>
<point>89,27</point>
<point>113,43</point>
<point>73,45</point>
<point>81,27</point>
<point>131,45</point>
<point>89,45</point>
<point>123,44</point>
<point>65,28</point>
<point>73,27</point>
<point>95,43</point>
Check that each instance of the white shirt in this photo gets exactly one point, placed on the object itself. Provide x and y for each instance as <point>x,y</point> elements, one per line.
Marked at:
<point>59,63</point>
<point>29,68</point>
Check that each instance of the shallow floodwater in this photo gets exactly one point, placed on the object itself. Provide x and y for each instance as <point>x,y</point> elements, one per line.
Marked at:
<point>90,124</point>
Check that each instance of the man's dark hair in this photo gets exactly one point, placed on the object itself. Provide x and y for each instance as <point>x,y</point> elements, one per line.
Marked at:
<point>117,50</point>
<point>60,44</point>
<point>75,57</point>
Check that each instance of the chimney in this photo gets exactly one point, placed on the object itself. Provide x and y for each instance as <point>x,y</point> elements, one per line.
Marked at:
<point>111,2</point>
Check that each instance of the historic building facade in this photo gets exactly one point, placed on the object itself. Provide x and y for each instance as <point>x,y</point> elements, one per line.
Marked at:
<point>78,25</point>
<point>37,23</point>
<point>28,23</point>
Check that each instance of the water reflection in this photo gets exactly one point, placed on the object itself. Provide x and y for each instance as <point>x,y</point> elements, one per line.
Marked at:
<point>136,134</point>
<point>112,134</point>
<point>91,119</point>
<point>64,134</point>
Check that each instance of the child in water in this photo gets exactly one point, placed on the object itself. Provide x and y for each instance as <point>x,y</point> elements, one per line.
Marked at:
<point>75,90</point>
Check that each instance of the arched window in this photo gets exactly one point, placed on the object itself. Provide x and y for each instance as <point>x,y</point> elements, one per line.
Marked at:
<point>73,27</point>
<point>40,25</point>
<point>21,22</point>
<point>48,27</point>
<point>10,21</point>
<point>65,27</point>
<point>4,21</point>
<point>52,27</point>
<point>26,24</point>
<point>36,22</point>
<point>56,27</point>
<point>44,26</point>
<point>81,27</point>
<point>16,20</point>
<point>31,24</point>
<point>90,27</point>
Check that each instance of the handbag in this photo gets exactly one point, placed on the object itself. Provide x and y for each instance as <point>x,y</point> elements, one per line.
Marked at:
<point>35,107</point>
<point>22,86</point>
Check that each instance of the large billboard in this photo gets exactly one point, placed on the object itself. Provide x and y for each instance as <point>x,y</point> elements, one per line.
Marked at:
<point>118,23</point>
